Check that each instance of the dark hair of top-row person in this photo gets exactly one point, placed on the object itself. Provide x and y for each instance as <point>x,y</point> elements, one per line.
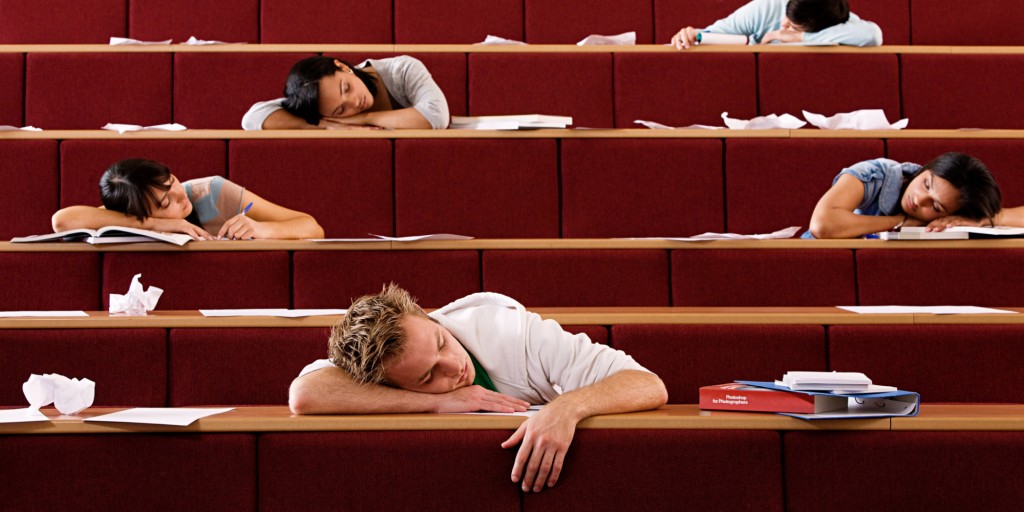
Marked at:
<point>129,186</point>
<point>302,89</point>
<point>980,197</point>
<point>817,15</point>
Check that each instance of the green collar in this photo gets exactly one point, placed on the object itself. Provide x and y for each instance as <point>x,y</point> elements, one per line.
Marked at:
<point>482,379</point>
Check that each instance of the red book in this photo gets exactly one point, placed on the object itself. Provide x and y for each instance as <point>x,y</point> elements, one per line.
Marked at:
<point>741,397</point>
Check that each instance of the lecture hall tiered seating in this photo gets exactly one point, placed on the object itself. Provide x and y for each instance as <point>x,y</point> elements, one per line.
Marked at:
<point>550,211</point>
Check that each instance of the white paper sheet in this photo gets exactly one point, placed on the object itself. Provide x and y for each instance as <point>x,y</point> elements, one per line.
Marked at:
<point>498,41</point>
<point>193,41</point>
<point>530,411</point>
<point>285,313</point>
<point>136,302</point>
<point>658,126</point>
<point>21,415</point>
<point>346,240</point>
<point>417,238</point>
<point>623,39</point>
<point>935,310</point>
<point>9,128</point>
<point>122,128</point>
<point>769,122</point>
<point>69,396</point>
<point>782,233</point>
<point>119,41</point>
<point>16,314</point>
<point>177,416</point>
<point>869,119</point>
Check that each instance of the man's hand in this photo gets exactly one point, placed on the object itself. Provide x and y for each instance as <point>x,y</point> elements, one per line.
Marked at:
<point>545,438</point>
<point>478,398</point>
<point>685,38</point>
<point>783,35</point>
<point>942,223</point>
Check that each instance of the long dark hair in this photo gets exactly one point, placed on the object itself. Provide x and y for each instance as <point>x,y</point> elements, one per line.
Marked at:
<point>980,197</point>
<point>129,186</point>
<point>302,89</point>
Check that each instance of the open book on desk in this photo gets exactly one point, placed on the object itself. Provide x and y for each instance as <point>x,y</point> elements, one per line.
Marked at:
<point>952,233</point>
<point>108,235</point>
<point>515,122</point>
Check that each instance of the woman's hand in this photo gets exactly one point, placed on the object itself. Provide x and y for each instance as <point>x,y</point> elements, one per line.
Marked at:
<point>356,122</point>
<point>942,223</point>
<point>241,227</point>
<point>685,38</point>
<point>783,35</point>
<point>177,226</point>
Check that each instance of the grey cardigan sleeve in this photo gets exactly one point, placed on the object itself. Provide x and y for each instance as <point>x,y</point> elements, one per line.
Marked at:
<point>409,82</point>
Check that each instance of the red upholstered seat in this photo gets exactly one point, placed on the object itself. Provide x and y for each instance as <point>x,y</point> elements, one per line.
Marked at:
<point>50,281</point>
<point>251,366</point>
<point>483,188</point>
<point>81,21</point>
<point>638,187</point>
<point>989,277</point>
<point>540,278</point>
<point>977,91</point>
<point>568,84</point>
<point>672,15</point>
<point>892,16</point>
<point>131,88</point>
<point>667,470</point>
<point>828,83</point>
<point>12,96</point>
<point>84,161</point>
<point>203,280</point>
<point>765,277</point>
<point>1001,156</point>
<point>29,187</point>
<point>676,88</point>
<point>457,21</point>
<point>333,279</point>
<point>840,471</point>
<point>344,184</point>
<point>387,471</point>
<point>129,366</point>
<point>162,472</point>
<point>945,363</point>
<point>774,183</point>
<point>231,21</point>
<point>687,357</point>
<point>214,90</point>
<point>568,21</point>
<point>334,22</point>
<point>988,23</point>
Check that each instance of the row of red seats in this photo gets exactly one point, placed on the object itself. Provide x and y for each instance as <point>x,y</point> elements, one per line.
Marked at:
<point>187,367</point>
<point>600,90</point>
<point>926,22</point>
<point>537,277</point>
<point>493,188</point>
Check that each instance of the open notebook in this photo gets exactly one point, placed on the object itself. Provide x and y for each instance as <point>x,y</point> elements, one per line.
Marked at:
<point>953,233</point>
<point>108,235</point>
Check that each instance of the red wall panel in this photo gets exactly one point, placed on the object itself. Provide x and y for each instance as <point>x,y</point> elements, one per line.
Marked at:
<point>230,21</point>
<point>28,184</point>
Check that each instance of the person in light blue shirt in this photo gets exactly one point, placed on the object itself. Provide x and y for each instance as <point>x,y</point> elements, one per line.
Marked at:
<point>791,21</point>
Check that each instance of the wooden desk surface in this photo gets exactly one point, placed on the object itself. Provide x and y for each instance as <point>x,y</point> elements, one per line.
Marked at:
<point>973,417</point>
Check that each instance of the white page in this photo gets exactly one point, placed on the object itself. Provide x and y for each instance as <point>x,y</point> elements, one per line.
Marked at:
<point>11,314</point>
<point>865,407</point>
<point>26,415</point>
<point>935,310</point>
<point>177,416</point>
<point>346,240</point>
<point>530,411</point>
<point>782,233</point>
<point>286,313</point>
<point>416,238</point>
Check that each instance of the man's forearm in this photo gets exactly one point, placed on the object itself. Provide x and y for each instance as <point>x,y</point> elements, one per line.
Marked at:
<point>331,391</point>
<point>626,391</point>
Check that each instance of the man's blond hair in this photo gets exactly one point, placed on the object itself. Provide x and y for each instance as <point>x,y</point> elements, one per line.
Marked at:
<point>372,332</point>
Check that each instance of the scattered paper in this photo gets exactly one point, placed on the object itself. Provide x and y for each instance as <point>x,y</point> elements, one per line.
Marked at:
<point>177,416</point>
<point>769,122</point>
<point>658,126</point>
<point>192,41</point>
<point>15,314</point>
<point>530,411</point>
<point>495,40</point>
<point>623,39</point>
<point>417,238</point>
<point>8,128</point>
<point>934,310</point>
<point>26,415</point>
<point>285,313</point>
<point>136,302</point>
<point>345,240</point>
<point>782,233</point>
<point>870,119</point>
<point>121,128</point>
<point>118,41</point>
<point>69,396</point>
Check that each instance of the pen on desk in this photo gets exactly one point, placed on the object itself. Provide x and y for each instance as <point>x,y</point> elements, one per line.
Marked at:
<point>246,210</point>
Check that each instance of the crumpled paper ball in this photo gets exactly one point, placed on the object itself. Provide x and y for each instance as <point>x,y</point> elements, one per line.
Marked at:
<point>136,302</point>
<point>69,396</point>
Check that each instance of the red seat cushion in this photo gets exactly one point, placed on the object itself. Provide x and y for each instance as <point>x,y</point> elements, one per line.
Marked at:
<point>457,21</point>
<point>207,365</point>
<point>29,187</point>
<point>439,185</point>
<point>687,357</point>
<point>230,21</point>
<point>823,83</point>
<point>672,15</point>
<point>892,16</point>
<point>203,280</point>
<point>540,278</point>
<point>661,87</point>
<point>981,87</point>
<point>333,279</point>
<point>83,163</point>
<point>989,277</point>
<point>130,88</point>
<point>774,183</point>
<point>1001,156</point>
<point>315,21</point>
<point>344,184</point>
<point>129,366</point>
<point>763,277</point>
<point>989,23</point>
<point>569,21</point>
<point>565,84</point>
<point>214,90</point>
<point>50,281</point>
<point>638,187</point>
<point>78,22</point>
<point>12,97</point>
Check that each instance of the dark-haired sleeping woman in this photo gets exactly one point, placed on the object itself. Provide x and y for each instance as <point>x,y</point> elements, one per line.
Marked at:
<point>144,194</point>
<point>327,93</point>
